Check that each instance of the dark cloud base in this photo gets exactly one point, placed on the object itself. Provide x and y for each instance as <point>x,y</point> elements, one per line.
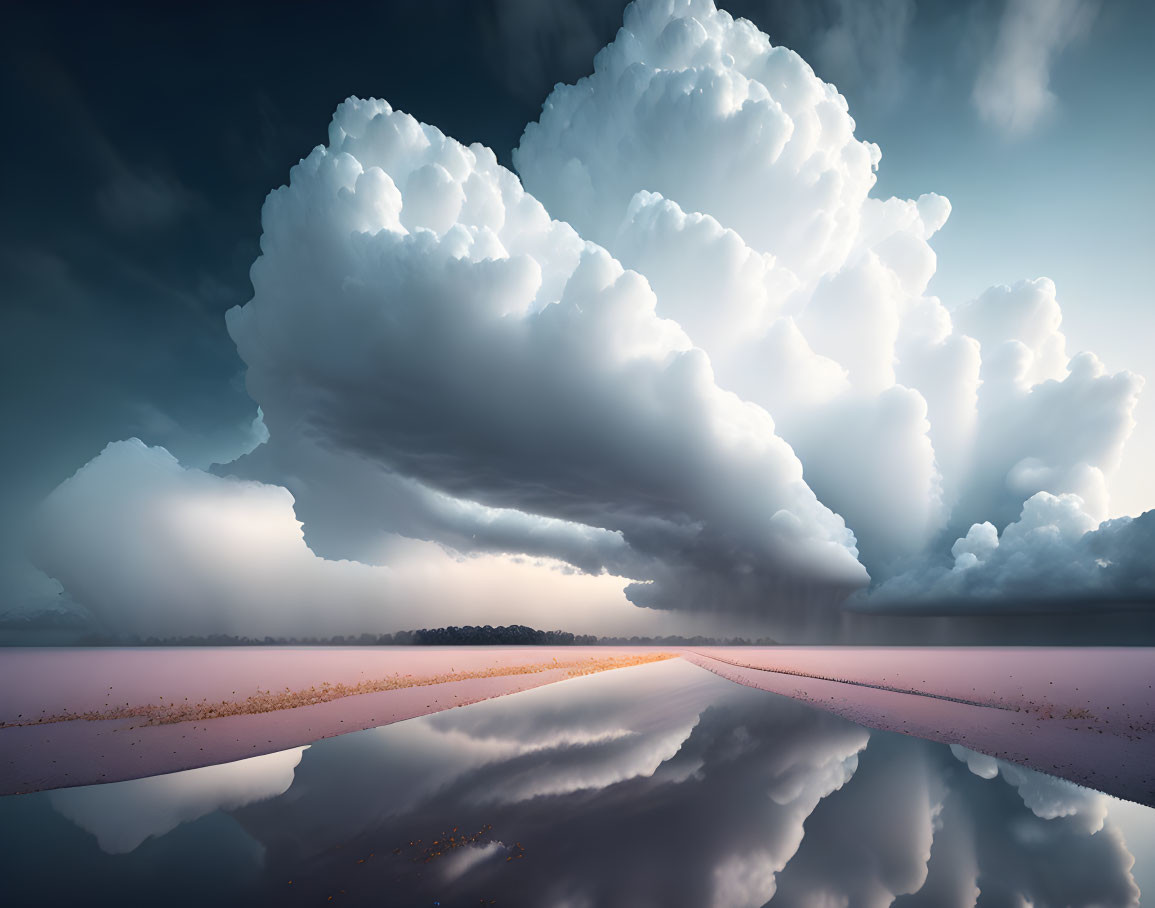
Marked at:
<point>1089,623</point>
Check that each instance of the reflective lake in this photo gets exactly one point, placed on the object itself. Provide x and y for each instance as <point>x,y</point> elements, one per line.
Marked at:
<point>662,785</point>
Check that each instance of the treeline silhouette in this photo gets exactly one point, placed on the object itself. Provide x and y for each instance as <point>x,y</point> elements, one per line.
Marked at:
<point>512,635</point>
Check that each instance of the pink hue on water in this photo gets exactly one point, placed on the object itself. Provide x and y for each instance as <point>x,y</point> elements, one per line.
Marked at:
<point>1066,677</point>
<point>47,682</point>
<point>1087,715</point>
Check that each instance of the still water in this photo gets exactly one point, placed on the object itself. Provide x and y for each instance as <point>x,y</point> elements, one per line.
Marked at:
<point>654,786</point>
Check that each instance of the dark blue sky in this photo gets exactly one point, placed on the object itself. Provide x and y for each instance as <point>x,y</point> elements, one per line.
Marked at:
<point>143,138</point>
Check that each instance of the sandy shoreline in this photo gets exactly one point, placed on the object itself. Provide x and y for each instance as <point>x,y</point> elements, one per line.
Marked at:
<point>77,717</point>
<point>1086,715</point>
<point>80,717</point>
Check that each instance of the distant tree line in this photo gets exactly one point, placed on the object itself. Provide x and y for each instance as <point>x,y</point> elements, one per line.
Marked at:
<point>512,635</point>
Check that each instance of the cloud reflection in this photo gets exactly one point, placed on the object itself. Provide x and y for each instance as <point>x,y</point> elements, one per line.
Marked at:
<point>123,814</point>
<point>662,785</point>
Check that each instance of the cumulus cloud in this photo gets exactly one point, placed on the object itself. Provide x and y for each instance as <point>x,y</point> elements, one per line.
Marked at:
<point>687,348</point>
<point>914,828</point>
<point>895,800</point>
<point>693,104</point>
<point>1047,797</point>
<point>414,307</point>
<point>698,148</point>
<point>1035,840</point>
<point>1045,422</point>
<point>121,815</point>
<point>1055,553</point>
<point>726,172</point>
<point>1013,87</point>
<point>154,548</point>
<point>353,508</point>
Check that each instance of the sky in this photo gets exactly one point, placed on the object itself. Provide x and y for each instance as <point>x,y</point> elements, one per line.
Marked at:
<point>152,137</point>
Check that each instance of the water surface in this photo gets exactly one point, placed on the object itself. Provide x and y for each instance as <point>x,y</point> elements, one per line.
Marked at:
<point>662,785</point>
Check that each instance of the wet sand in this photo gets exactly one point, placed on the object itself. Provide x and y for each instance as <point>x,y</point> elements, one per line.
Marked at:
<point>1086,715</point>
<point>79,717</point>
<point>76,717</point>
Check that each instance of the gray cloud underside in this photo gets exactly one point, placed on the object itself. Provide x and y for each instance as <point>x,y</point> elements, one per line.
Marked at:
<point>451,334</point>
<point>1052,559</point>
<point>692,351</point>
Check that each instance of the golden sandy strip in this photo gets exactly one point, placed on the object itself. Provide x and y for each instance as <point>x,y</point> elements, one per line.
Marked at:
<point>267,701</point>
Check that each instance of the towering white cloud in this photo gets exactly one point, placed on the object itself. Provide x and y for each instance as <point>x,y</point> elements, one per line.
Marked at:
<point>698,148</point>
<point>1045,422</point>
<point>692,351</point>
<point>725,171</point>
<point>415,308</point>
<point>695,105</point>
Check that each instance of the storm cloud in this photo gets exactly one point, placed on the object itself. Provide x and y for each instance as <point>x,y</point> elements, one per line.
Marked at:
<point>157,549</point>
<point>1053,557</point>
<point>686,352</point>
<point>452,333</point>
<point>726,172</point>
